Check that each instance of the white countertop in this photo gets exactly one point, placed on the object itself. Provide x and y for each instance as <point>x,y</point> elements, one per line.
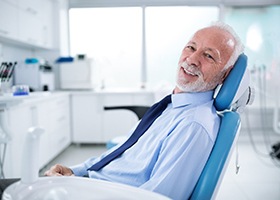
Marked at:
<point>112,91</point>
<point>7,100</point>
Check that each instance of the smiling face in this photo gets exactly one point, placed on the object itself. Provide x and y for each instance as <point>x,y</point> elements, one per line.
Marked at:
<point>202,61</point>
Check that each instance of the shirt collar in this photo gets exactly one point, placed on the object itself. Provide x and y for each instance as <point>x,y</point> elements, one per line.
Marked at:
<point>196,98</point>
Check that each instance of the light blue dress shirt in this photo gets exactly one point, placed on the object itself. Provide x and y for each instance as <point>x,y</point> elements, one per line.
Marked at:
<point>170,156</point>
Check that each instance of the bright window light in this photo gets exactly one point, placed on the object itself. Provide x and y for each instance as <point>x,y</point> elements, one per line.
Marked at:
<point>112,37</point>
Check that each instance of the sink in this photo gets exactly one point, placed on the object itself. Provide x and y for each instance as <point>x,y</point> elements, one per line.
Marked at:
<point>73,188</point>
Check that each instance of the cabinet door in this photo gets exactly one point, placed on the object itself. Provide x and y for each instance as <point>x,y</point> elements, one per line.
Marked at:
<point>143,99</point>
<point>47,21</point>
<point>59,127</point>
<point>30,27</point>
<point>28,22</point>
<point>31,5</point>
<point>52,115</point>
<point>36,22</point>
<point>117,122</point>
<point>8,20</point>
<point>86,118</point>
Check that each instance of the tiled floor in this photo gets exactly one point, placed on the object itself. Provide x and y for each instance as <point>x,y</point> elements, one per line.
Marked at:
<point>258,177</point>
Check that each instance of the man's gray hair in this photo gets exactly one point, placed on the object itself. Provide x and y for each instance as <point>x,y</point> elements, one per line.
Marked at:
<point>239,47</point>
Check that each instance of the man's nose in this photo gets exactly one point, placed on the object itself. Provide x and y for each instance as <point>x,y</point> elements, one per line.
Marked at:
<point>193,59</point>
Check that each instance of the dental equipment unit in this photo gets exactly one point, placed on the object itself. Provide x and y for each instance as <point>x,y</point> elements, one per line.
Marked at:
<point>32,187</point>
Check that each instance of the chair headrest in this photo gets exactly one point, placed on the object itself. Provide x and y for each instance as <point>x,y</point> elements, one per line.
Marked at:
<point>235,91</point>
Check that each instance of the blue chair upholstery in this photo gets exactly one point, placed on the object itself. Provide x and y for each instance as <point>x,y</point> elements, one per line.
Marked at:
<point>212,174</point>
<point>231,85</point>
<point>211,177</point>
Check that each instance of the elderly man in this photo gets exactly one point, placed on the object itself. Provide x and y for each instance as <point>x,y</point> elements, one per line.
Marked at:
<point>168,156</point>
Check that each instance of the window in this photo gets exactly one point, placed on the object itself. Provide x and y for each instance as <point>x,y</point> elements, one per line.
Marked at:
<point>113,37</point>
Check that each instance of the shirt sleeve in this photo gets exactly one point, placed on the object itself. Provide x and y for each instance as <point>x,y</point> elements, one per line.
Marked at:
<point>180,162</point>
<point>81,169</point>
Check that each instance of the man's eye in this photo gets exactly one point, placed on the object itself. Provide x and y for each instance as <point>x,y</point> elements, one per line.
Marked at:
<point>190,47</point>
<point>209,56</point>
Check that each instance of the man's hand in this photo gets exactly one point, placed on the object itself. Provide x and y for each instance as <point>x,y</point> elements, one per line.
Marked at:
<point>59,170</point>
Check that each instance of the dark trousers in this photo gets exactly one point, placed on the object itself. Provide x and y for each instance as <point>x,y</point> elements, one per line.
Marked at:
<point>4,183</point>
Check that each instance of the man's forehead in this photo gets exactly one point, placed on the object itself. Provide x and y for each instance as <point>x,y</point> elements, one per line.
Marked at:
<point>214,33</point>
<point>213,38</point>
<point>194,43</point>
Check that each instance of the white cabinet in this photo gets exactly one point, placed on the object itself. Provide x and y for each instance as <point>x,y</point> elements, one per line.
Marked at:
<point>30,27</point>
<point>52,113</point>
<point>120,122</point>
<point>28,22</point>
<point>47,15</point>
<point>86,118</point>
<point>92,124</point>
<point>8,20</point>
<point>54,116</point>
<point>117,122</point>
<point>35,22</point>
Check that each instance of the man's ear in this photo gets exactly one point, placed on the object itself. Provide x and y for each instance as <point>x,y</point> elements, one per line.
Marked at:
<point>226,73</point>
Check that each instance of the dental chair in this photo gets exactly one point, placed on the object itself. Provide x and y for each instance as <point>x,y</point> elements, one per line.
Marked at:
<point>230,100</point>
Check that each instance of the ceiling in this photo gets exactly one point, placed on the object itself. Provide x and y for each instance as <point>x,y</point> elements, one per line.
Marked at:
<point>121,3</point>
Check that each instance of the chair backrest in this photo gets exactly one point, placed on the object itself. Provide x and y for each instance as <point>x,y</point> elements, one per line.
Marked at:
<point>137,110</point>
<point>234,88</point>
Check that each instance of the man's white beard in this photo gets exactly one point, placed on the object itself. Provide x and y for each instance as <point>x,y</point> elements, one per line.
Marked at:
<point>199,85</point>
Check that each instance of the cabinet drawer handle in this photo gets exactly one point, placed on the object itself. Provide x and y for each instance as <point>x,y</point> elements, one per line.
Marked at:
<point>61,119</point>
<point>4,32</point>
<point>31,10</point>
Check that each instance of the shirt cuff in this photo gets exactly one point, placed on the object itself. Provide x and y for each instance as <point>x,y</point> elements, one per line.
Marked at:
<point>79,170</point>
